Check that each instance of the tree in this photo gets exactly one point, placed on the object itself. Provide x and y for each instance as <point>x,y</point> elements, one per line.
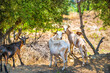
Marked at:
<point>103,9</point>
<point>83,31</point>
<point>35,13</point>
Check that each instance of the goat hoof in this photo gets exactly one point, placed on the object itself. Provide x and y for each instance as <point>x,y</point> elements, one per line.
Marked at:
<point>83,64</point>
<point>1,70</point>
<point>6,72</point>
<point>63,68</point>
<point>22,64</point>
<point>55,65</point>
<point>49,65</point>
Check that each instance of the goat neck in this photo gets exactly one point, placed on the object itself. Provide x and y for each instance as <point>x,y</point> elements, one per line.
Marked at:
<point>21,44</point>
<point>68,32</point>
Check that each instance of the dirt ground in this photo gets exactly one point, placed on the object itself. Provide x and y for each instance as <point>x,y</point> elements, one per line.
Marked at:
<point>35,54</point>
<point>99,65</point>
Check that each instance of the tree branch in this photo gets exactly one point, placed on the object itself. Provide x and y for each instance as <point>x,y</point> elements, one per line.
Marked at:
<point>18,34</point>
<point>11,29</point>
<point>97,49</point>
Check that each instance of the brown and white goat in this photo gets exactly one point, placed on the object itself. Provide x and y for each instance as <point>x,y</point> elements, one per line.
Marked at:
<point>8,51</point>
<point>77,41</point>
<point>58,48</point>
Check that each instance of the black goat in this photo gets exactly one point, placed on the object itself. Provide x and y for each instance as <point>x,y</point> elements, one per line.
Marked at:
<point>7,51</point>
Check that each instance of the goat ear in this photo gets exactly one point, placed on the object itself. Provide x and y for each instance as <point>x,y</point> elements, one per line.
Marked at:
<point>79,33</point>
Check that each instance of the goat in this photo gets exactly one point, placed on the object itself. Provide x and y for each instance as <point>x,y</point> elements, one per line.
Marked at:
<point>77,41</point>
<point>58,47</point>
<point>8,51</point>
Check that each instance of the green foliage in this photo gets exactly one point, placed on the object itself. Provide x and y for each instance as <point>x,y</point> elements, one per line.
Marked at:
<point>94,35</point>
<point>100,6</point>
<point>84,6</point>
<point>102,28</point>
<point>73,8</point>
<point>103,8</point>
<point>33,13</point>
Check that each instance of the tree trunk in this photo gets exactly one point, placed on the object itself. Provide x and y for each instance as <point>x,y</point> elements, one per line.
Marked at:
<point>9,40</point>
<point>18,34</point>
<point>14,35</point>
<point>1,34</point>
<point>88,4</point>
<point>35,34</point>
<point>10,29</point>
<point>82,29</point>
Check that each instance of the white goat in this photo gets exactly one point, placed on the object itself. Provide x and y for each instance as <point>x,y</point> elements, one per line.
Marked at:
<point>58,47</point>
<point>77,41</point>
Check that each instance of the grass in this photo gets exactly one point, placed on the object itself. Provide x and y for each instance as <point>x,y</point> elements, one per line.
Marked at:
<point>102,28</point>
<point>58,72</point>
<point>88,29</point>
<point>85,21</point>
<point>98,21</point>
<point>103,50</point>
<point>94,35</point>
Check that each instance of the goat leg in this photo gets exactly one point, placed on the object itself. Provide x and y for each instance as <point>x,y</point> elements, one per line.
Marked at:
<point>66,56</point>
<point>55,61</point>
<point>0,63</point>
<point>86,56</point>
<point>13,61</point>
<point>5,65</point>
<point>82,53</point>
<point>72,54</point>
<point>18,53</point>
<point>20,59</point>
<point>64,61</point>
<point>50,60</point>
<point>71,48</point>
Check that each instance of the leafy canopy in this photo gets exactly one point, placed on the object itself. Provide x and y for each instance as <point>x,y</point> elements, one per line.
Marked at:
<point>33,13</point>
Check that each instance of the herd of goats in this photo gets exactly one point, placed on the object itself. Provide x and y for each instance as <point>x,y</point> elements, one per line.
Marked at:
<point>56,44</point>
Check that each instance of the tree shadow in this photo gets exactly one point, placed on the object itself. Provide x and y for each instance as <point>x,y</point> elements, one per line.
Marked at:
<point>95,65</point>
<point>98,65</point>
<point>107,68</point>
<point>40,69</point>
<point>101,63</point>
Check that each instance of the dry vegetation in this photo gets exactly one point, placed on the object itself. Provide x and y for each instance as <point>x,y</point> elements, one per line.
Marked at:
<point>35,54</point>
